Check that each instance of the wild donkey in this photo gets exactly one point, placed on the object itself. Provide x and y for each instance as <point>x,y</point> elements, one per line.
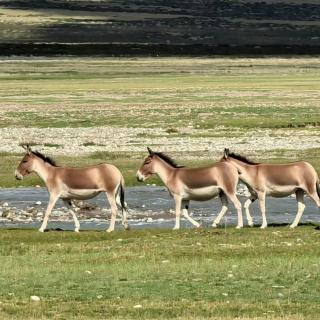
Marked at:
<point>75,183</point>
<point>185,184</point>
<point>275,180</point>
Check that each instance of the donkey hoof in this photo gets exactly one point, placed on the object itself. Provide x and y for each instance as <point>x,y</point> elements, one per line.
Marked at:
<point>76,230</point>
<point>109,230</point>
<point>214,225</point>
<point>251,224</point>
<point>293,226</point>
<point>239,227</point>
<point>264,226</point>
<point>176,228</point>
<point>126,228</point>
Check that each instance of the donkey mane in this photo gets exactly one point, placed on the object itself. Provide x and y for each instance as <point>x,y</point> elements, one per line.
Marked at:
<point>44,158</point>
<point>241,158</point>
<point>167,159</point>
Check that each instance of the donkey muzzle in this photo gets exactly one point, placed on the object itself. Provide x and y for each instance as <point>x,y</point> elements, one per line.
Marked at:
<point>18,175</point>
<point>140,176</point>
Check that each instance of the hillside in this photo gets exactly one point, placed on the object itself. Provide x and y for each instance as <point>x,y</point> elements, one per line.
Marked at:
<point>151,26</point>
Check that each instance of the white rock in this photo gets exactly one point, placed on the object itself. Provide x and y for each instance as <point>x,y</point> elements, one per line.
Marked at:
<point>38,203</point>
<point>34,298</point>
<point>6,204</point>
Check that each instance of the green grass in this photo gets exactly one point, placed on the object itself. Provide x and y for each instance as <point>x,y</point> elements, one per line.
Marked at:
<point>200,117</point>
<point>189,274</point>
<point>164,92</point>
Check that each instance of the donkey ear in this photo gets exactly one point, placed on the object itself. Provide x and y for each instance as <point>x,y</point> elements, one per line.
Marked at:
<point>29,149</point>
<point>226,153</point>
<point>150,151</point>
<point>26,147</point>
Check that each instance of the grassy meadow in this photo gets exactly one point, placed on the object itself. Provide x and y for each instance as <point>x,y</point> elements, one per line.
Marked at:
<point>158,274</point>
<point>173,98</point>
<point>149,92</point>
<point>161,274</point>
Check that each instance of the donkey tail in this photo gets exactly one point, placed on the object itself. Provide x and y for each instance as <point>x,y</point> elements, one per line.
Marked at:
<point>318,188</point>
<point>123,204</point>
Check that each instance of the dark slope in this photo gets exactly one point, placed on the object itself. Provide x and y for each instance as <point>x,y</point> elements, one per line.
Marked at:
<point>163,26</point>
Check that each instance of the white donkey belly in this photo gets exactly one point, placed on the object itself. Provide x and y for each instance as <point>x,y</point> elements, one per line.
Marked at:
<point>79,194</point>
<point>201,194</point>
<point>281,191</point>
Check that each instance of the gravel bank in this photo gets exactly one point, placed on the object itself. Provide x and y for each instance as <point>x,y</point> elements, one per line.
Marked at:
<point>77,141</point>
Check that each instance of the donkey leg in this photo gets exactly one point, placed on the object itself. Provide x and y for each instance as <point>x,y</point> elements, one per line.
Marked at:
<point>237,204</point>
<point>178,201</point>
<point>262,203</point>
<point>246,206</point>
<point>75,219</point>
<point>124,212</point>
<point>223,211</point>
<point>301,206</point>
<point>113,205</point>
<point>51,204</point>
<point>185,213</point>
<point>314,196</point>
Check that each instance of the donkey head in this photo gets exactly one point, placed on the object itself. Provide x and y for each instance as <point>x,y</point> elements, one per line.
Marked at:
<point>147,168</point>
<point>26,164</point>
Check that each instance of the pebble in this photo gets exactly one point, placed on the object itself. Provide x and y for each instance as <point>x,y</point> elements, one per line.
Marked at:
<point>34,298</point>
<point>38,203</point>
<point>7,213</point>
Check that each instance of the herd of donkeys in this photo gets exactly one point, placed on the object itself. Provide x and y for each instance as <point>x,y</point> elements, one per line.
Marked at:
<point>183,184</point>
